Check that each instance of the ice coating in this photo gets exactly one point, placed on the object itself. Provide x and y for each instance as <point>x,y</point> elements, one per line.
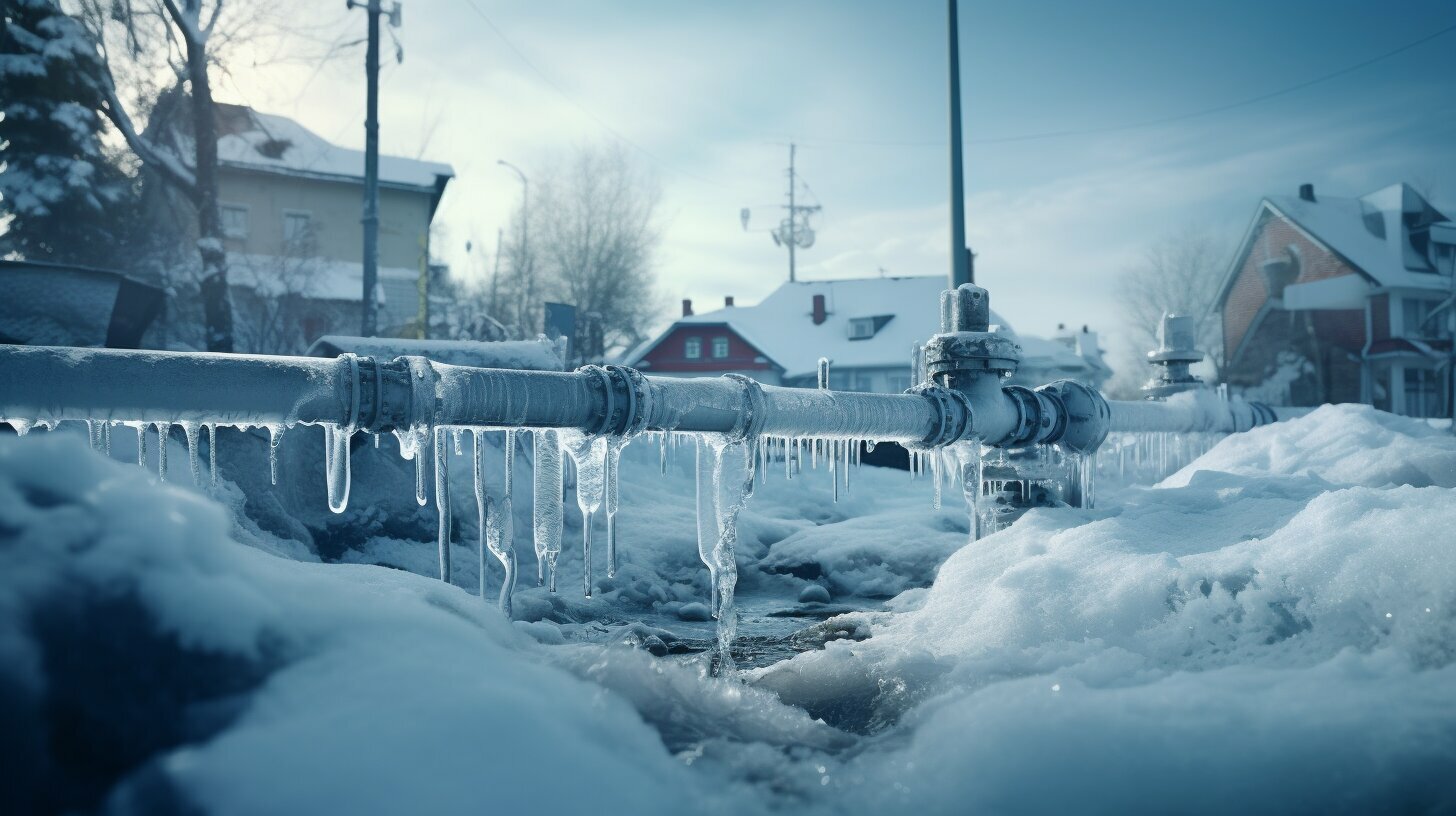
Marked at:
<point>337,474</point>
<point>613,486</point>
<point>500,525</point>
<point>194,462</point>
<point>275,437</point>
<point>725,476</point>
<point>442,501</point>
<point>211,451</point>
<point>162,430</point>
<point>588,453</point>
<point>546,509</point>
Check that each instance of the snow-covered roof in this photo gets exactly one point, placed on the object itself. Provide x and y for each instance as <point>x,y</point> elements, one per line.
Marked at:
<point>1369,231</point>
<point>268,142</point>
<point>782,328</point>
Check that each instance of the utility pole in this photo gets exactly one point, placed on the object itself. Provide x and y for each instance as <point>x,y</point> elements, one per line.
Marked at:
<point>792,211</point>
<point>960,254</point>
<point>524,256</point>
<point>791,232</point>
<point>370,303</point>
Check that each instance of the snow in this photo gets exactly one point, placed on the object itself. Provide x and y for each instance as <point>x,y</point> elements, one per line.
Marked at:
<point>1270,629</point>
<point>535,355</point>
<point>1341,224</point>
<point>304,152</point>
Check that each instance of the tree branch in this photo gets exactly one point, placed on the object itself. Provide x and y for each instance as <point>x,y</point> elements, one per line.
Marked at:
<point>171,168</point>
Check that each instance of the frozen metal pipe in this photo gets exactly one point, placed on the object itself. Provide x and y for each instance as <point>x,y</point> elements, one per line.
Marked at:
<point>55,384</point>
<point>1198,410</point>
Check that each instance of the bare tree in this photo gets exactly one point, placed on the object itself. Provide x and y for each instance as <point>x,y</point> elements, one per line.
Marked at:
<point>1180,273</point>
<point>140,41</point>
<point>597,236</point>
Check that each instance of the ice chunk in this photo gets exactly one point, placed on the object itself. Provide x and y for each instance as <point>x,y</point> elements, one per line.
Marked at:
<point>546,509</point>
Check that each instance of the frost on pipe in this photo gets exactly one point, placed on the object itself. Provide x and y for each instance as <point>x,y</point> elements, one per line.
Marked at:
<point>1197,410</point>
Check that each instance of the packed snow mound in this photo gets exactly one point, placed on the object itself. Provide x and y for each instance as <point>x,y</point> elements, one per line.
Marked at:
<point>1291,638</point>
<point>1345,444</point>
<point>149,663</point>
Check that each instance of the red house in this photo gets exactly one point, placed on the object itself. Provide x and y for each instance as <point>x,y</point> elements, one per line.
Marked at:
<point>1333,299</point>
<point>865,327</point>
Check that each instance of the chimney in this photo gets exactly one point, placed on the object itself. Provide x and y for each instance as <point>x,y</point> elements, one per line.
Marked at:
<point>820,315</point>
<point>727,301</point>
<point>1306,192</point>
<point>687,308</point>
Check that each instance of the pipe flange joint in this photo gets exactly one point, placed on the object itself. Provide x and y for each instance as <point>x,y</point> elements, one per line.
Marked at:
<point>1263,414</point>
<point>951,353</point>
<point>952,415</point>
<point>424,393</point>
<point>751,420</point>
<point>1087,418</point>
<point>635,403</point>
<point>1037,416</point>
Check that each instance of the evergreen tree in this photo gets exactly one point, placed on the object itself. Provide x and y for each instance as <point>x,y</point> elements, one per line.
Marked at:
<point>64,200</point>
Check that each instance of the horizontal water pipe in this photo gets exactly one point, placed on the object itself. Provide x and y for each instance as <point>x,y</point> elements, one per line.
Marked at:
<point>43,384</point>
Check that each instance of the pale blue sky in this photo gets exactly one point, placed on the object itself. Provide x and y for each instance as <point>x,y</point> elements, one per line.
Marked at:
<point>707,93</point>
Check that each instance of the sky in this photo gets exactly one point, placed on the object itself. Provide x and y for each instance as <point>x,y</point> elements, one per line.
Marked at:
<point>708,96</point>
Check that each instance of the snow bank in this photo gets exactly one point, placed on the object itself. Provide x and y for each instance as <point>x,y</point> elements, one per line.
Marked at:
<point>149,662</point>
<point>1266,640</point>
<point>1346,444</point>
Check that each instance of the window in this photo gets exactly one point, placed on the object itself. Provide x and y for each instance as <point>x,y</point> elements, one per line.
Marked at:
<point>1422,392</point>
<point>863,328</point>
<point>1417,319</point>
<point>297,230</point>
<point>234,221</point>
<point>693,348</point>
<point>720,347</point>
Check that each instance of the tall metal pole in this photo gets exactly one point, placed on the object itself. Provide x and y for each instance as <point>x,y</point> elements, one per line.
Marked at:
<point>369,323</point>
<point>793,213</point>
<point>960,254</point>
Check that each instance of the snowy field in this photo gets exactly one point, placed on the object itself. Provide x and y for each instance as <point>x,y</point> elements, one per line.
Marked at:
<point>1270,629</point>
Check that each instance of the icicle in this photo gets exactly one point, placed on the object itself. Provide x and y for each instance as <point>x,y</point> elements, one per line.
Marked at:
<point>106,439</point>
<point>93,435</point>
<point>789,458</point>
<point>501,528</point>
<point>971,476</point>
<point>662,453</point>
<point>211,453</point>
<point>194,461</point>
<point>707,464</point>
<point>849,445</point>
<point>730,486</point>
<point>588,454</point>
<point>336,466</point>
<point>546,507</point>
<point>614,456</point>
<point>935,475</point>
<point>478,473</point>
<point>141,430</point>
<point>442,500</point>
<point>831,455</point>
<point>455,436</point>
<point>869,446</point>
<point>162,430</point>
<point>275,438</point>
<point>376,441</point>
<point>422,450</point>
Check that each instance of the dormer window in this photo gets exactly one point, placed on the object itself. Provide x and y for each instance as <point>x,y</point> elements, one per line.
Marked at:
<point>863,328</point>
<point>693,348</point>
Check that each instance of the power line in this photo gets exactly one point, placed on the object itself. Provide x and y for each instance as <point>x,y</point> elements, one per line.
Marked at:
<point>1054,134</point>
<point>583,108</point>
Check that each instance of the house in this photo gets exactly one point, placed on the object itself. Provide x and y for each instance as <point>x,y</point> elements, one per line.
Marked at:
<point>1336,299</point>
<point>290,204</point>
<point>867,328</point>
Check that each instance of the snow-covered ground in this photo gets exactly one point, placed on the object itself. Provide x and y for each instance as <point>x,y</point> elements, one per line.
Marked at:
<point>1271,629</point>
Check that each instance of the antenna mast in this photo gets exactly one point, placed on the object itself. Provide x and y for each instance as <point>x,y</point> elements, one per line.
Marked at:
<point>794,231</point>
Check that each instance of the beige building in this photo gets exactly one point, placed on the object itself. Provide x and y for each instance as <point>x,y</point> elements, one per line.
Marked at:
<point>291,204</point>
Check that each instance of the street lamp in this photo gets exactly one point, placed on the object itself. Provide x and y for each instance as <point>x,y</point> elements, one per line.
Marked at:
<point>525,217</point>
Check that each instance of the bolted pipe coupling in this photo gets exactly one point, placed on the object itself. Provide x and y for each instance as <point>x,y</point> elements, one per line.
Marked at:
<point>1037,416</point>
<point>952,411</point>
<point>1085,416</point>
<point>624,400</point>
